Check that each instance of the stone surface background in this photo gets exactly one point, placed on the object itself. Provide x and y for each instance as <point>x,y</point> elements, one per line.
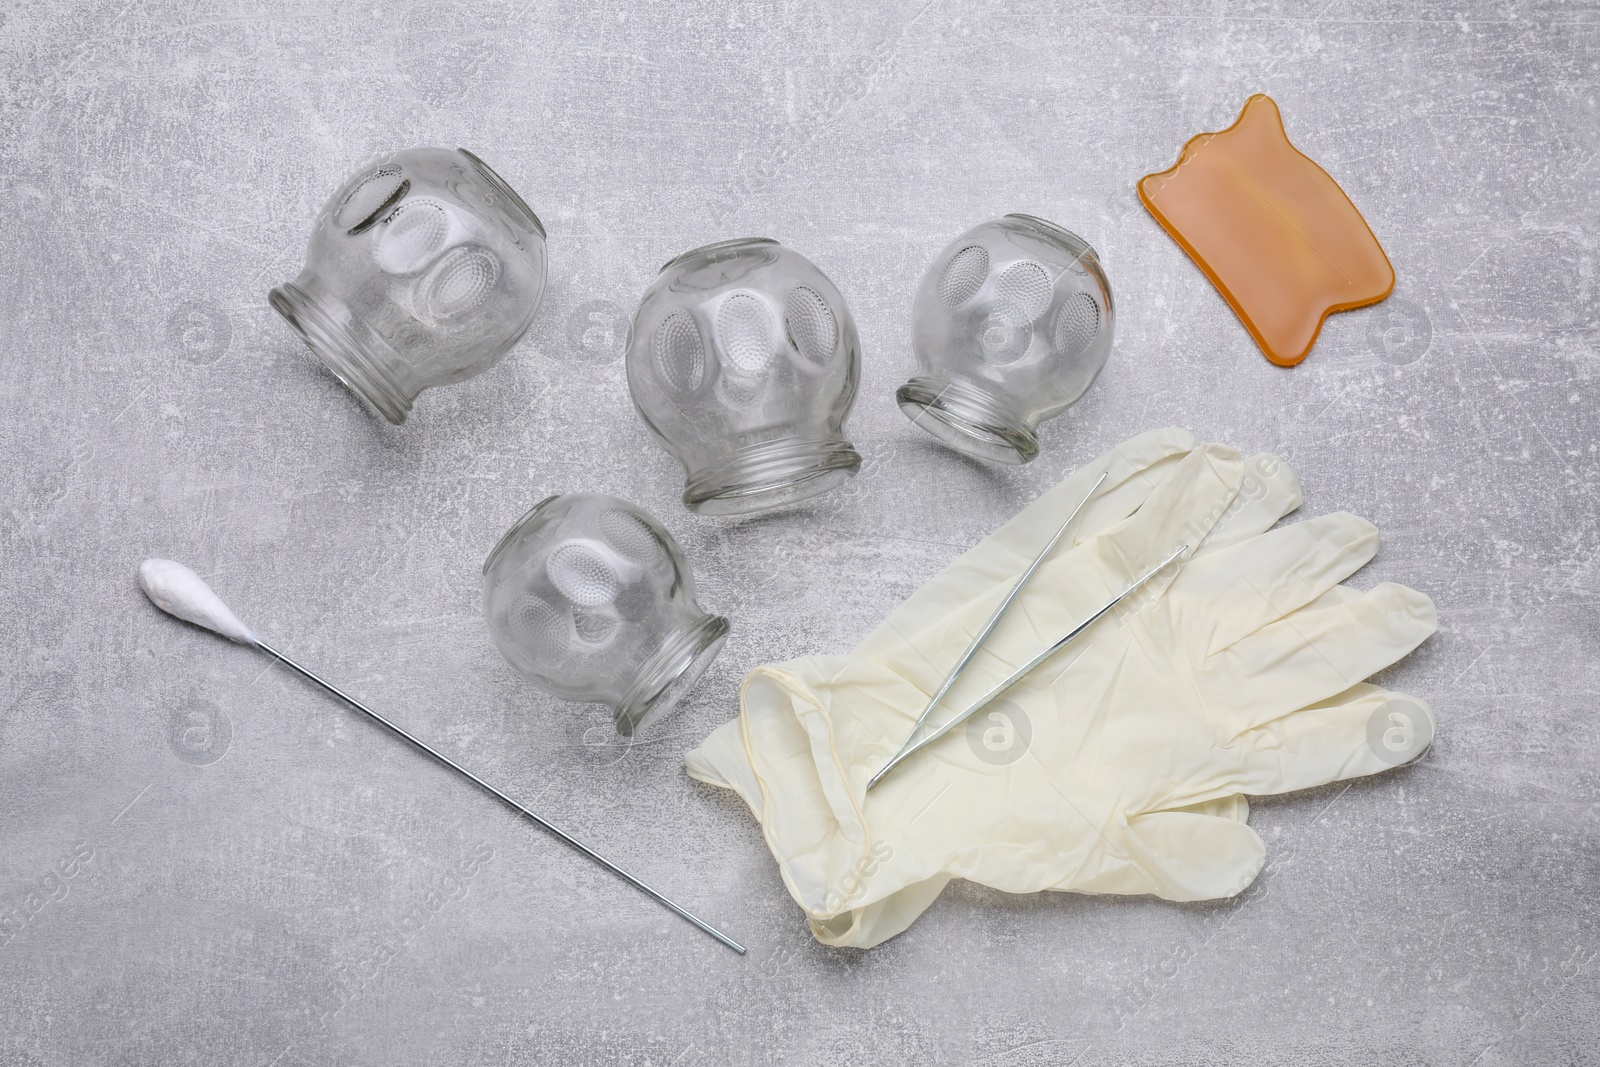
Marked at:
<point>252,847</point>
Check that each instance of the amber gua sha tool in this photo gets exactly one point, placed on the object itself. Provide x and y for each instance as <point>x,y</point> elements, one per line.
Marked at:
<point>1275,234</point>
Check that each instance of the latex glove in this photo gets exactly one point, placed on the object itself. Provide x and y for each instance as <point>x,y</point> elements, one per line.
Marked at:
<point>1269,490</point>
<point>1143,733</point>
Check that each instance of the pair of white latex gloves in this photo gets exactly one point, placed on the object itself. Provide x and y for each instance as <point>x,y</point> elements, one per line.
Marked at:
<point>1121,764</point>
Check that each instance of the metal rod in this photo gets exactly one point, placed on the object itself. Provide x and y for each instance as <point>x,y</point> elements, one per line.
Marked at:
<point>541,822</point>
<point>994,619</point>
<point>1021,672</point>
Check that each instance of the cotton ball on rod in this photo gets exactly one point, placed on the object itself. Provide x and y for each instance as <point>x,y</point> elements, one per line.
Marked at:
<point>179,591</point>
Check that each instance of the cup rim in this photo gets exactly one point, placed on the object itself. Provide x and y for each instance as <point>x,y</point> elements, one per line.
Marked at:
<point>361,361</point>
<point>1079,245</point>
<point>505,538</point>
<point>668,675</point>
<point>732,242</point>
<point>969,418</point>
<point>771,475</point>
<point>502,186</point>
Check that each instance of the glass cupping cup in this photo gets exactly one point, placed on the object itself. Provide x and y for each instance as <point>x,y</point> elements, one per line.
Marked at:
<point>1012,322</point>
<point>593,600</point>
<point>744,360</point>
<point>423,269</point>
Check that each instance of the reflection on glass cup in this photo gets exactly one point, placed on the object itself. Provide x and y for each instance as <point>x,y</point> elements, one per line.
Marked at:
<point>744,360</point>
<point>423,270</point>
<point>1012,322</point>
<point>593,600</point>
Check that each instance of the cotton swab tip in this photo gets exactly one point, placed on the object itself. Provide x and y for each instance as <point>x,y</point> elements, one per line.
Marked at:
<point>180,592</point>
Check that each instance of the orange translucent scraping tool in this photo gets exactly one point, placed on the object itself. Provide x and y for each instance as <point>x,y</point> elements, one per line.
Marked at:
<point>1274,233</point>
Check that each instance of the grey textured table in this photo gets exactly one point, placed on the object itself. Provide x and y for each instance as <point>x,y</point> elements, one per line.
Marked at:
<point>252,865</point>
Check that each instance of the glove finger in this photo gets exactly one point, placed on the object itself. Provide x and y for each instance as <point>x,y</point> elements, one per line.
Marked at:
<point>872,925</point>
<point>1135,468</point>
<point>1269,491</point>
<point>1363,730</point>
<point>940,619</point>
<point>719,760</point>
<point>1179,855</point>
<point>1234,806</point>
<point>1181,511</point>
<point>1315,653</point>
<point>1260,581</point>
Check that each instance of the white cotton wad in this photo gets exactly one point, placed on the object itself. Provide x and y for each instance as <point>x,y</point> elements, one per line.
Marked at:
<point>177,590</point>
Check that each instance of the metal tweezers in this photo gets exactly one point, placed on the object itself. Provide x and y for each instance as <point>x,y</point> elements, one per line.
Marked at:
<point>912,745</point>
